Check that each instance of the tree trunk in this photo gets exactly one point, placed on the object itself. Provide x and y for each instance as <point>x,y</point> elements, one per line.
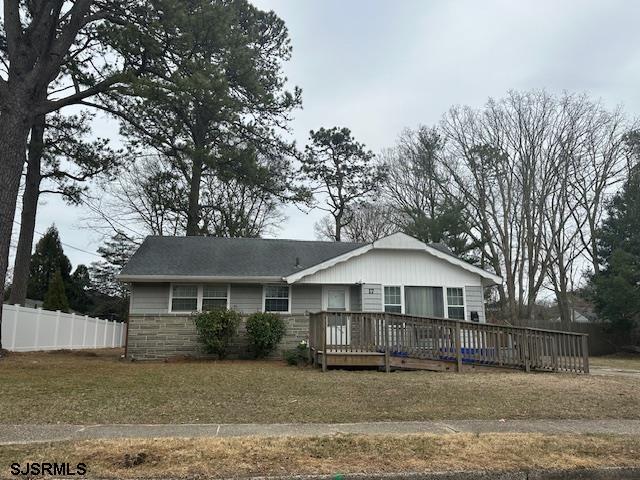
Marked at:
<point>338,233</point>
<point>14,130</point>
<point>28,216</point>
<point>193,213</point>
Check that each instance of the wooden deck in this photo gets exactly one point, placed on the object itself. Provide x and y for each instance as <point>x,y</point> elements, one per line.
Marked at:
<point>394,341</point>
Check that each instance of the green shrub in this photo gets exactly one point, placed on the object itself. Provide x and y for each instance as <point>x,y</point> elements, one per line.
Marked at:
<point>299,356</point>
<point>264,331</point>
<point>216,329</point>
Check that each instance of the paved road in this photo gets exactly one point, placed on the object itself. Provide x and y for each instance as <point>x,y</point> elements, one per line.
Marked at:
<point>51,433</point>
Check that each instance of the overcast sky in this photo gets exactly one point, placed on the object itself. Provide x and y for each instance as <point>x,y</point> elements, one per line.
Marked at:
<point>378,66</point>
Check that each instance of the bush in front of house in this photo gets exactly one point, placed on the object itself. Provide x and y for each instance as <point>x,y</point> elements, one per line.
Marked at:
<point>264,332</point>
<point>216,329</point>
<point>299,356</point>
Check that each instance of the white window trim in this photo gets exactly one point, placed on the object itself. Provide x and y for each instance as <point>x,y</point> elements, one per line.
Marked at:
<point>401,297</point>
<point>446,302</point>
<point>264,297</point>
<point>347,296</point>
<point>200,296</point>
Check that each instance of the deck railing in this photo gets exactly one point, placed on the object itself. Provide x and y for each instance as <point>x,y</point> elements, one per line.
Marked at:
<point>443,339</point>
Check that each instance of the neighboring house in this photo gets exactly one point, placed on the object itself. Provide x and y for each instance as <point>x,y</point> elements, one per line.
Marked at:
<point>577,317</point>
<point>172,277</point>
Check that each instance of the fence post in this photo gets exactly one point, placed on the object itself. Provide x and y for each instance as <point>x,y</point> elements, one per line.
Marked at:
<point>458,344</point>
<point>387,355</point>
<point>37,332</point>
<point>554,351</point>
<point>55,335</point>
<point>527,363</point>
<point>73,326</point>
<point>84,331</point>
<point>585,352</point>
<point>95,335</point>
<point>16,313</point>
<point>113,336</point>
<point>324,342</point>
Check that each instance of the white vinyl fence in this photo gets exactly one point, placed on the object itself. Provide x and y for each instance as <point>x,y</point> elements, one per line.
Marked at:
<point>32,329</point>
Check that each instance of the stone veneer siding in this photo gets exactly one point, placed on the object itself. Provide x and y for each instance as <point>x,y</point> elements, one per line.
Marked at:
<point>162,336</point>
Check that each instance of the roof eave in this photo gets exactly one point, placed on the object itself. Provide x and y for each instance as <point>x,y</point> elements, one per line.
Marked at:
<point>125,278</point>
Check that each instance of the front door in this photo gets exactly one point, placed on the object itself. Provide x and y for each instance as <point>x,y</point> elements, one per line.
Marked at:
<point>338,328</point>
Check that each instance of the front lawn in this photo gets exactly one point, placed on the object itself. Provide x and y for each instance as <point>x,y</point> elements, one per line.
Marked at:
<point>620,361</point>
<point>80,389</point>
<point>226,458</point>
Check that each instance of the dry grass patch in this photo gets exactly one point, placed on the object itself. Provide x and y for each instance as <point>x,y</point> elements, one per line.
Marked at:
<point>621,361</point>
<point>335,454</point>
<point>81,389</point>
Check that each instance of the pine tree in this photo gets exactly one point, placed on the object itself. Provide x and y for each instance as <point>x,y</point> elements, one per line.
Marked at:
<point>47,259</point>
<point>617,286</point>
<point>342,170</point>
<point>115,252</point>
<point>56,298</point>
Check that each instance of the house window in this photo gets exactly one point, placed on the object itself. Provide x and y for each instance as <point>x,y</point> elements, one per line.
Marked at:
<point>214,297</point>
<point>392,299</point>
<point>276,298</point>
<point>184,298</point>
<point>455,303</point>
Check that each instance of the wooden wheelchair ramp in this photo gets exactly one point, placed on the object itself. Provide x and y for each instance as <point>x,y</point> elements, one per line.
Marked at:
<point>394,341</point>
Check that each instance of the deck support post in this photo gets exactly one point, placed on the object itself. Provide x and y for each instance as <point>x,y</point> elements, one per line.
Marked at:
<point>527,361</point>
<point>458,344</point>
<point>554,353</point>
<point>324,342</point>
<point>387,354</point>
<point>585,353</point>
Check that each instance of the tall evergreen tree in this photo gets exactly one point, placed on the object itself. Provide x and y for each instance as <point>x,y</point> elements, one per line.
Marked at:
<point>617,285</point>
<point>78,290</point>
<point>218,105</point>
<point>342,170</point>
<point>56,297</point>
<point>115,252</point>
<point>47,259</point>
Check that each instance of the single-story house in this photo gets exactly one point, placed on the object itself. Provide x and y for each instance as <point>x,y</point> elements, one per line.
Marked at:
<point>172,277</point>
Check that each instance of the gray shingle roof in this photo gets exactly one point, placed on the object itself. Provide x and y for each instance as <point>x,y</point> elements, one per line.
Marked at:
<point>228,257</point>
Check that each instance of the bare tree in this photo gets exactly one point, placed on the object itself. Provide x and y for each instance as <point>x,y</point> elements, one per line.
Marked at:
<point>417,190</point>
<point>231,208</point>
<point>368,222</point>
<point>532,170</point>
<point>150,198</point>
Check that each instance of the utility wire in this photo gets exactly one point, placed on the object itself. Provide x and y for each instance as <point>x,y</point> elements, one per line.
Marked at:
<point>62,243</point>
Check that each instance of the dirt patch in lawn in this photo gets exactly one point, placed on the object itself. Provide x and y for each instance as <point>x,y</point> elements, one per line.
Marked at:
<point>330,455</point>
<point>68,388</point>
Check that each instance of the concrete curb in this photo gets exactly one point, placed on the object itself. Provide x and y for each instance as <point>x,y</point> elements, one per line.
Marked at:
<point>575,474</point>
<point>582,474</point>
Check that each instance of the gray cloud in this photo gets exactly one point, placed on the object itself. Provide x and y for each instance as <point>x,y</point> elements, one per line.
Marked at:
<point>377,66</point>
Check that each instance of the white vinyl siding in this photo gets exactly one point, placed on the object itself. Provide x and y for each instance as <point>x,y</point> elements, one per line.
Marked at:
<point>246,298</point>
<point>475,303</point>
<point>149,298</point>
<point>395,267</point>
<point>306,299</point>
<point>371,297</point>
